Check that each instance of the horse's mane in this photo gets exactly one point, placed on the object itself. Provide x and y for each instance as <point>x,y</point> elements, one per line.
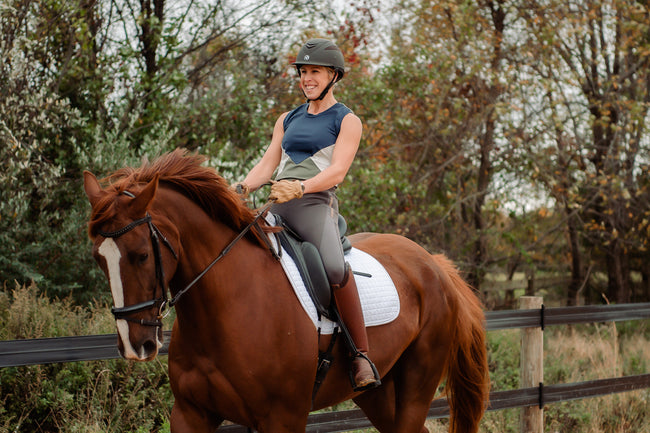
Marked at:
<point>184,172</point>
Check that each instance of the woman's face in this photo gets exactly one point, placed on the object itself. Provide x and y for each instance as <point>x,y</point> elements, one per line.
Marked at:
<point>314,79</point>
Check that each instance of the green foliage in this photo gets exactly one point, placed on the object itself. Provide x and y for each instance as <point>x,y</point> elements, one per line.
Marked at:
<point>376,198</point>
<point>236,111</point>
<point>101,396</point>
<point>36,193</point>
<point>27,313</point>
<point>107,396</point>
<point>503,359</point>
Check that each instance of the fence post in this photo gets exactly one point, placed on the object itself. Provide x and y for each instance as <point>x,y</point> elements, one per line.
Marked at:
<point>531,366</point>
<point>530,286</point>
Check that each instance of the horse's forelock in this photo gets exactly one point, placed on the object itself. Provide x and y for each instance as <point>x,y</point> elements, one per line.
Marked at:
<point>106,209</point>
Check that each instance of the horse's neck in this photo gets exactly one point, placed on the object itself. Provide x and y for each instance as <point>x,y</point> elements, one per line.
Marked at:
<point>244,294</point>
<point>202,240</point>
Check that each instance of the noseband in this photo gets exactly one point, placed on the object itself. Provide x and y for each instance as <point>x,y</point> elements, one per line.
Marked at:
<point>161,302</point>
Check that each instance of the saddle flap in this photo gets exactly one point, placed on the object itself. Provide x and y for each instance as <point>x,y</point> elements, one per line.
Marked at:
<point>343,228</point>
<point>377,291</point>
<point>318,276</point>
<point>310,266</point>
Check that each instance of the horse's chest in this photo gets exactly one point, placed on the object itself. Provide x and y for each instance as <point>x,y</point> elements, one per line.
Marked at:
<point>209,388</point>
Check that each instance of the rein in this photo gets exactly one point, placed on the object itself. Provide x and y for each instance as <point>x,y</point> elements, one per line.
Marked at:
<point>225,251</point>
<point>163,303</point>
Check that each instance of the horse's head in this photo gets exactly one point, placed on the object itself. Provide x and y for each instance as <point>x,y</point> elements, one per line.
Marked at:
<point>136,233</point>
<point>137,259</point>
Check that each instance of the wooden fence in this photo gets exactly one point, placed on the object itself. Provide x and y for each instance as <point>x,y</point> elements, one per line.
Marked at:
<point>86,348</point>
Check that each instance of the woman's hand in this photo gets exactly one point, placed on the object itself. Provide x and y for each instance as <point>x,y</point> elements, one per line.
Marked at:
<point>241,188</point>
<point>285,190</point>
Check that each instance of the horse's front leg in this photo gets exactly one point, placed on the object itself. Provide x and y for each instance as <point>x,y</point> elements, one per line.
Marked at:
<point>186,418</point>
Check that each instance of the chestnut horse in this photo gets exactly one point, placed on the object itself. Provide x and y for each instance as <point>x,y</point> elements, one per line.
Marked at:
<point>242,347</point>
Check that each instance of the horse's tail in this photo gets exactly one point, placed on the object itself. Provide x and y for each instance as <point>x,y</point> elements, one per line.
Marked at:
<point>468,382</point>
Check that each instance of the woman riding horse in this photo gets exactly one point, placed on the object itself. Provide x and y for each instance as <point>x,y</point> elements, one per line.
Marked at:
<point>312,148</point>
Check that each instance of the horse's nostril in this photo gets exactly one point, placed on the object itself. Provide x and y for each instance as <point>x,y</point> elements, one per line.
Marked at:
<point>149,347</point>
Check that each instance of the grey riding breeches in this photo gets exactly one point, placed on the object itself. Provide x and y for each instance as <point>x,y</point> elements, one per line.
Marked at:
<point>314,217</point>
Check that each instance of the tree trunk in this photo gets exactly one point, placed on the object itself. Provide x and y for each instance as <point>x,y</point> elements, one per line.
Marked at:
<point>151,28</point>
<point>483,182</point>
<point>576,258</point>
<point>618,287</point>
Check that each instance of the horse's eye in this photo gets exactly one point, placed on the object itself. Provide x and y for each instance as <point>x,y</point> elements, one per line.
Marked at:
<point>143,257</point>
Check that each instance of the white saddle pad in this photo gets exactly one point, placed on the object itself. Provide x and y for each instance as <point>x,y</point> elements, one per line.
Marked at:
<point>377,292</point>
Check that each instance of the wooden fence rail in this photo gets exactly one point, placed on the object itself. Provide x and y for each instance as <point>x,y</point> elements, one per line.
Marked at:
<point>98,347</point>
<point>342,421</point>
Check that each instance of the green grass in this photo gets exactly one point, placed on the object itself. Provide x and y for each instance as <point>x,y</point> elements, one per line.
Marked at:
<point>120,396</point>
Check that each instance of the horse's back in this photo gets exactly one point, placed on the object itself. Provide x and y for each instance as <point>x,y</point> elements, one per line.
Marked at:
<point>386,245</point>
<point>422,279</point>
<point>430,286</point>
<point>401,257</point>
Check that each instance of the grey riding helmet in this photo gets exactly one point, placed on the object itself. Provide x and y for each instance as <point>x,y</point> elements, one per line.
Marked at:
<point>321,52</point>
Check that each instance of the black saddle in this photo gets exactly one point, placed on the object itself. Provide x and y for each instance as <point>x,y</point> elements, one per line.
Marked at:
<point>310,265</point>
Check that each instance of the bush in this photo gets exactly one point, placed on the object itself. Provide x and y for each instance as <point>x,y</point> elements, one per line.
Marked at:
<point>98,396</point>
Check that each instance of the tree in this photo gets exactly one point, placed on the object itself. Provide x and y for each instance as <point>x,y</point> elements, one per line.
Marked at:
<point>39,136</point>
<point>448,74</point>
<point>593,68</point>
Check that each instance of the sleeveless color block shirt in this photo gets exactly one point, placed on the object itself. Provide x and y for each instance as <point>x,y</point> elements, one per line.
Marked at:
<point>308,142</point>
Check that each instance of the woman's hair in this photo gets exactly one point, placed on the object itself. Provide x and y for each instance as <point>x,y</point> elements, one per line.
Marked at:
<point>330,70</point>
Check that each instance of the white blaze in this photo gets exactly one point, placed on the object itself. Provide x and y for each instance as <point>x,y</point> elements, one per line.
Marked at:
<point>111,253</point>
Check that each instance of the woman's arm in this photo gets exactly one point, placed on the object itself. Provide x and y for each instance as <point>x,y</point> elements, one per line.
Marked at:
<point>263,170</point>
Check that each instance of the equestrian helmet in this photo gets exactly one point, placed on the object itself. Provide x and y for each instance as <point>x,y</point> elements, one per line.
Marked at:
<point>321,52</point>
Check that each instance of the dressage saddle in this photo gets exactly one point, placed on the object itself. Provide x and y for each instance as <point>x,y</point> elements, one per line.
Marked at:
<point>312,271</point>
<point>310,265</point>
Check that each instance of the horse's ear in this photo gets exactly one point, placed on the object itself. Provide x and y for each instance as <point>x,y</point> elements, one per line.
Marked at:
<point>93,189</point>
<point>141,202</point>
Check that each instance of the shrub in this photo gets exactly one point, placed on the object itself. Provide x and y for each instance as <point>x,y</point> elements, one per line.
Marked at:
<point>97,396</point>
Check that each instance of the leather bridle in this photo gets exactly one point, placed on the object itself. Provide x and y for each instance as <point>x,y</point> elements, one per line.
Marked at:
<point>156,235</point>
<point>163,302</point>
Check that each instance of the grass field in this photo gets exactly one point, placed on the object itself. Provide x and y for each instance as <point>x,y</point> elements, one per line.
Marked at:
<point>118,396</point>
